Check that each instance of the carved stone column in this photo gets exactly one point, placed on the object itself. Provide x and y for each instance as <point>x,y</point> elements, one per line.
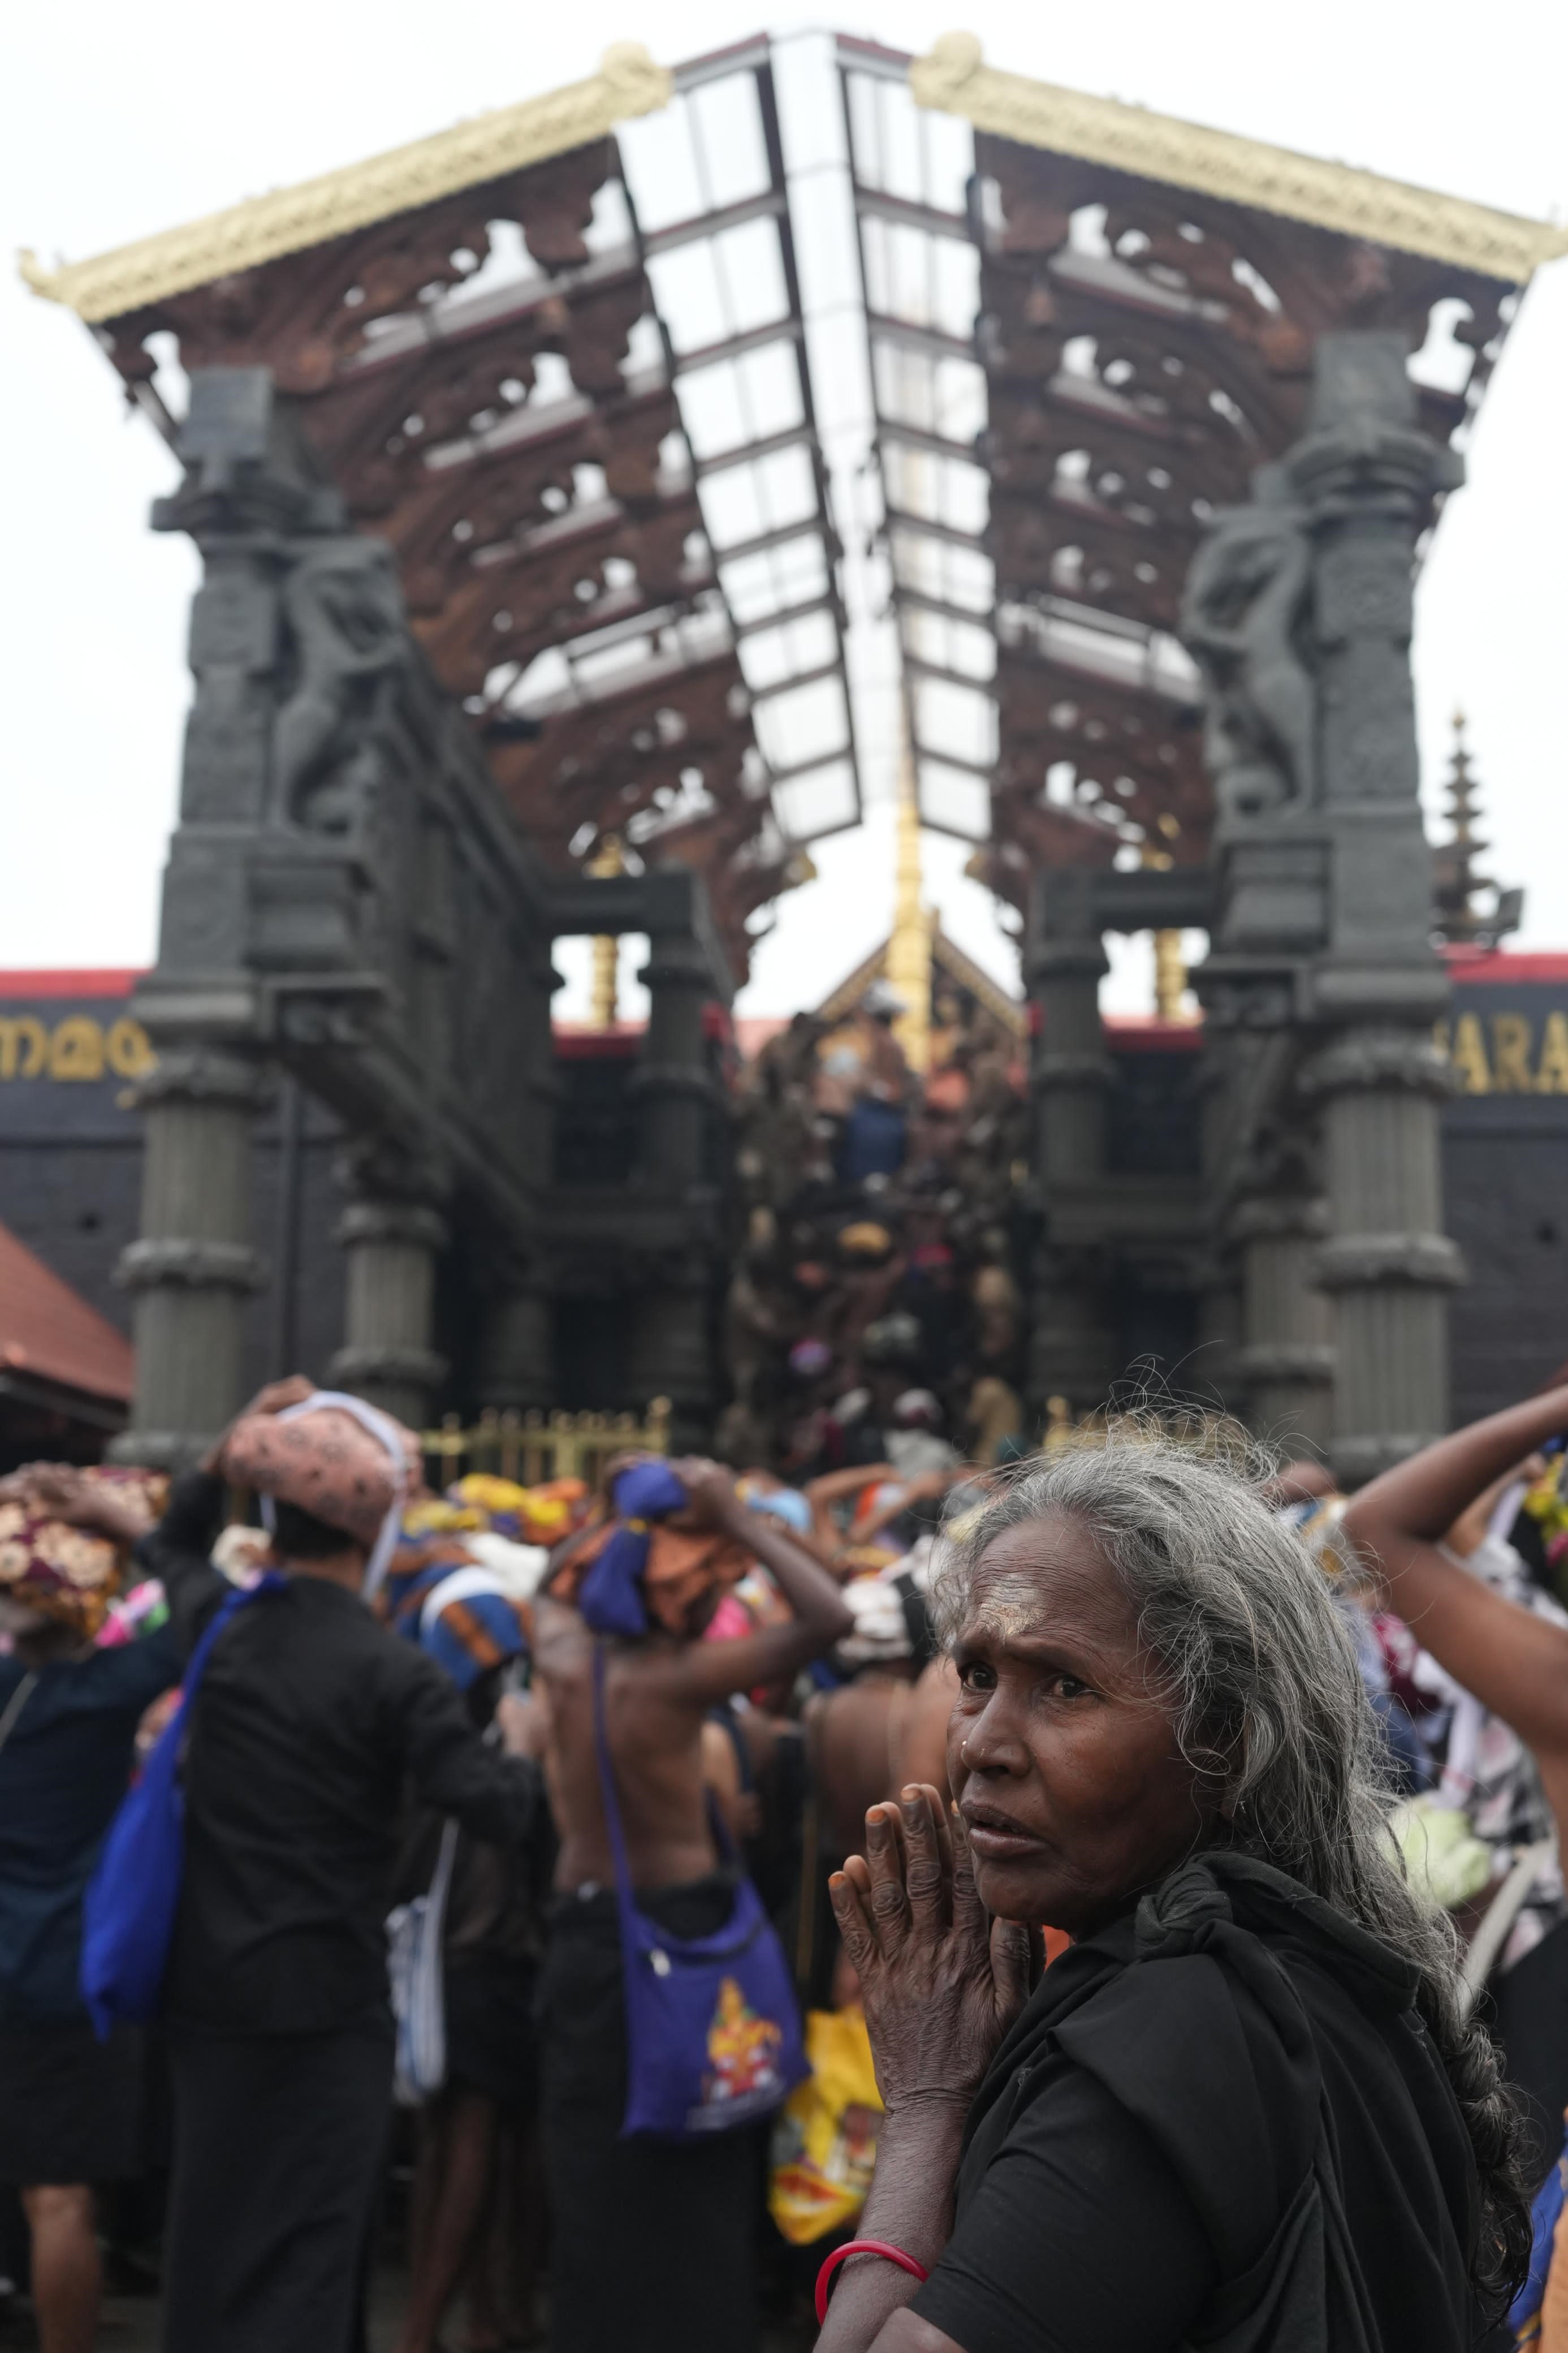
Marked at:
<point>673,1351</point>
<point>1287,1360</point>
<point>392,1235</point>
<point>1387,1259</point>
<point>1298,610</point>
<point>675,1095</point>
<point>1071,1349</point>
<point>1367,479</point>
<point>516,1363</point>
<point>192,1267</point>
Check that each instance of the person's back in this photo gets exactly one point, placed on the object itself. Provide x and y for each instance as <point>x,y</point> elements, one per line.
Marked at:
<point>684,2210</point>
<point>652,1724</point>
<point>310,1716</point>
<point>70,2105</point>
<point>307,1719</point>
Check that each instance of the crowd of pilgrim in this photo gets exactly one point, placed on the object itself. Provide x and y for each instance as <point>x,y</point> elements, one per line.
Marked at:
<point>1110,1898</point>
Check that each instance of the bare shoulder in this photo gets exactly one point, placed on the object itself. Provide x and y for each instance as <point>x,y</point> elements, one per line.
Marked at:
<point>562,1642</point>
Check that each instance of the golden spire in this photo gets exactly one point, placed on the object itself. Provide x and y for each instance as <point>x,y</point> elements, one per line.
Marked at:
<point>1170,975</point>
<point>908,946</point>
<point>603,1006</point>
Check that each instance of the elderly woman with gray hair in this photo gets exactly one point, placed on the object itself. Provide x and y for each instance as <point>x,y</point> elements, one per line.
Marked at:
<point>1243,2109</point>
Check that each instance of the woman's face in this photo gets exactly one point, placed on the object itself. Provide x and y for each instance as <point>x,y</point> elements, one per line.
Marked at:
<point>1065,1770</point>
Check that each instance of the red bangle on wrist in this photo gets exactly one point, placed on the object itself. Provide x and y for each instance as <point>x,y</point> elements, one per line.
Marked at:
<point>889,2254</point>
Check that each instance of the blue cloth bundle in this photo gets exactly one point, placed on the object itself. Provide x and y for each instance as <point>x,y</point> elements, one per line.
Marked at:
<point>611,1598</point>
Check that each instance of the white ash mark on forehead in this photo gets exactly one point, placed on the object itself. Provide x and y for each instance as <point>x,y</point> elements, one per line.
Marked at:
<point>1007,1603</point>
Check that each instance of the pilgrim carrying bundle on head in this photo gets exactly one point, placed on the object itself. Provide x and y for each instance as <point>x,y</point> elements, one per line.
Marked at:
<point>333,1455</point>
<point>67,1574</point>
<point>633,1571</point>
<point>337,1458</point>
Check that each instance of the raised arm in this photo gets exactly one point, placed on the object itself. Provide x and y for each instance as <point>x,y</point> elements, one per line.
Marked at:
<point>832,1488</point>
<point>1516,1663</point>
<point>711,1671</point>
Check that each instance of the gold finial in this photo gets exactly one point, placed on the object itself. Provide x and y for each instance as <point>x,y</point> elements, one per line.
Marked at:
<point>908,948</point>
<point>1170,975</point>
<point>604,1011</point>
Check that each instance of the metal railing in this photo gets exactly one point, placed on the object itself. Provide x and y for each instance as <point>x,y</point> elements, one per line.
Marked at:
<point>535,1447</point>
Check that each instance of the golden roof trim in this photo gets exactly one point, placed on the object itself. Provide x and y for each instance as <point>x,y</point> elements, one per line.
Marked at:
<point>946,957</point>
<point>949,958</point>
<point>955,80</point>
<point>287,221</point>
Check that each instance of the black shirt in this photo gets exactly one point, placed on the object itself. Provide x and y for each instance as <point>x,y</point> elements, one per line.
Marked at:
<point>1226,2110</point>
<point>307,1719</point>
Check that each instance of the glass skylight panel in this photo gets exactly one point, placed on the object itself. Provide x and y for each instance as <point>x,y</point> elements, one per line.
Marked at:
<point>954,286</point>
<point>949,145</point>
<point>711,409</point>
<point>661,167</point>
<point>750,270</point>
<point>861,91</point>
<point>691,295</point>
<point>953,801</point>
<point>802,725</point>
<point>813,642</point>
<point>800,571</point>
<point>766,658</point>
<point>822,802</point>
<point>768,382</point>
<point>726,126</point>
<point>732,508</point>
<point>957,721</point>
<point>749,589</point>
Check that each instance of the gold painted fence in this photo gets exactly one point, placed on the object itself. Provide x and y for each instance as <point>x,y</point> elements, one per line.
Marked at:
<point>533,1447</point>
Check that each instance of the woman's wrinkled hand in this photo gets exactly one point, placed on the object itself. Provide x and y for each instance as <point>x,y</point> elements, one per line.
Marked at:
<point>941,1982</point>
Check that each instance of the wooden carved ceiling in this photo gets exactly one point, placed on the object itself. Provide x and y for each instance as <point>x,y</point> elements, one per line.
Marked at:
<point>1131,389</point>
<point>522,517</point>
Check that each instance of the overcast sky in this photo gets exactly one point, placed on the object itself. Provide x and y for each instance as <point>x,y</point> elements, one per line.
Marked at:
<point>117,122</point>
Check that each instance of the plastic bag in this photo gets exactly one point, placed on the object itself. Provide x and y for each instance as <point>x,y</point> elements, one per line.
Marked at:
<point>825,2142</point>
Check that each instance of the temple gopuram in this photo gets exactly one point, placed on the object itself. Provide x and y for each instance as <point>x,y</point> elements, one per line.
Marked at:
<point>599,505</point>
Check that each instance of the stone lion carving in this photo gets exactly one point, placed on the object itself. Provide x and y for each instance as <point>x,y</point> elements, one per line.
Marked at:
<point>1245,597</point>
<point>344,612</point>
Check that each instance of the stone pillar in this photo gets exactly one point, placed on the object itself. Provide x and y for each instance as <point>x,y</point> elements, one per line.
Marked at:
<point>1387,1261</point>
<point>1299,609</point>
<point>1366,480</point>
<point>193,1266</point>
<point>393,1244</point>
<point>673,1353</point>
<point>1071,1348</point>
<point>516,1364</point>
<point>675,1095</point>
<point>1286,1364</point>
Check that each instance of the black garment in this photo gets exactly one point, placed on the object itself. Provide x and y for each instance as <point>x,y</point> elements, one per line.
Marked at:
<point>492,2042</point>
<point>276,2158</point>
<point>308,1718</point>
<point>653,2243</point>
<point>1528,2020</point>
<point>70,2105</point>
<point>1221,2123</point>
<point>64,1767</point>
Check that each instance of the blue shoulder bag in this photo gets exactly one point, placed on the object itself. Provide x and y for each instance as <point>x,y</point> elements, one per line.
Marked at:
<point>128,1912</point>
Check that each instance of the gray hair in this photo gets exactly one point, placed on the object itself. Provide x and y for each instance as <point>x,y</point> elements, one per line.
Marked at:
<point>1249,1655</point>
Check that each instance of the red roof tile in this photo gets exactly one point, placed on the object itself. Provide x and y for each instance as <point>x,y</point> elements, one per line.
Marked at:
<point>46,1328</point>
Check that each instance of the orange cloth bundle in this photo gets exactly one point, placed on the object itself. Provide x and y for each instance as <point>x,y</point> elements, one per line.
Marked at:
<point>683,1565</point>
